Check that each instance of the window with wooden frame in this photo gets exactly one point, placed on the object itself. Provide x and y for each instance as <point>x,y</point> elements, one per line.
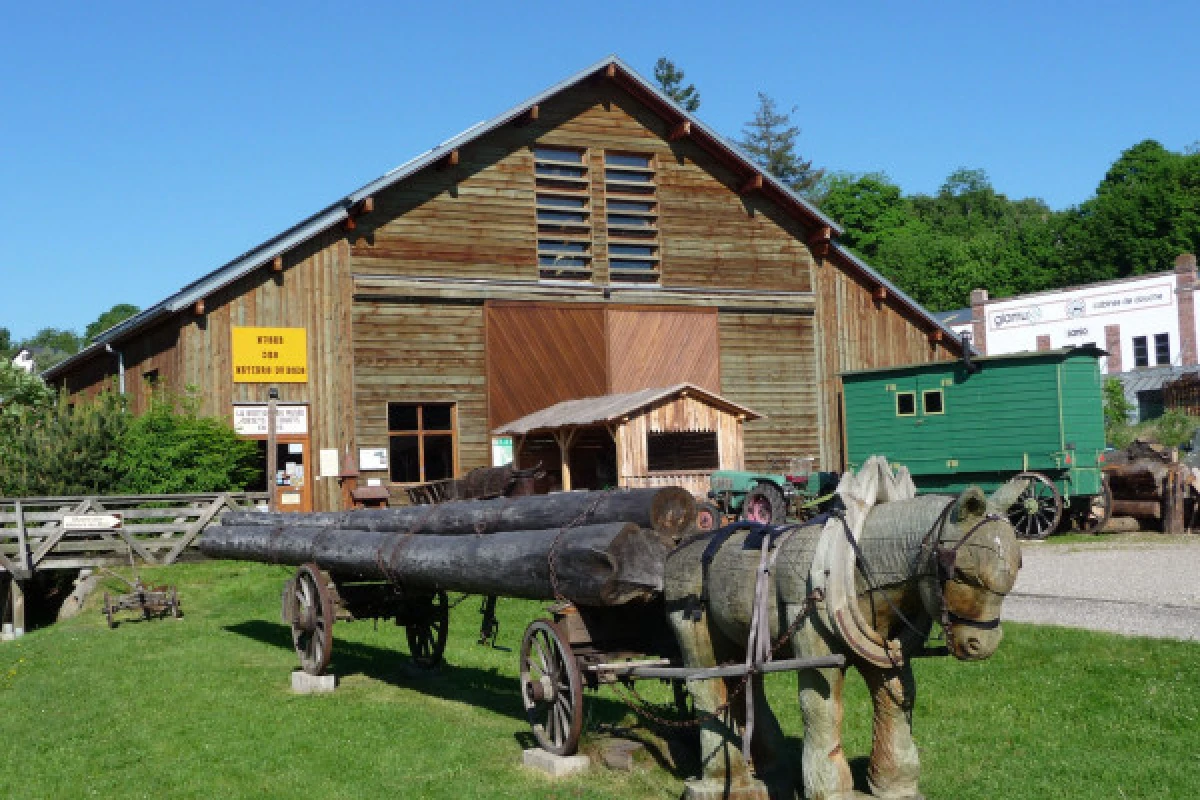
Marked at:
<point>906,404</point>
<point>682,451</point>
<point>422,441</point>
<point>631,218</point>
<point>564,215</point>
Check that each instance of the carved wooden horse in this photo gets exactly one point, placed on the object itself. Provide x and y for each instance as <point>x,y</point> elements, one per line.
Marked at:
<point>949,559</point>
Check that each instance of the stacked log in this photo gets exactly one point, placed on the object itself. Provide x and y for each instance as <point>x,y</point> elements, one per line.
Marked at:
<point>1149,484</point>
<point>592,548</point>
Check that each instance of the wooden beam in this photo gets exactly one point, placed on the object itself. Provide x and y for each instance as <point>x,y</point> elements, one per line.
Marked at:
<point>819,241</point>
<point>198,309</point>
<point>277,264</point>
<point>449,160</point>
<point>752,184</point>
<point>610,71</point>
<point>935,336</point>
<point>367,204</point>
<point>529,116</point>
<point>879,294</point>
<point>680,131</point>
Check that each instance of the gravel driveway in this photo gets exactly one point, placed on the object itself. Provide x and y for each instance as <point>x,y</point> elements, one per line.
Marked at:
<point>1143,588</point>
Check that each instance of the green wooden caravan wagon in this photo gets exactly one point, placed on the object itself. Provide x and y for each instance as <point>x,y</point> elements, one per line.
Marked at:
<point>985,420</point>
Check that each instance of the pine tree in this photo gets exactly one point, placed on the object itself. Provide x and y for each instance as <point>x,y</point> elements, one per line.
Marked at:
<point>670,80</point>
<point>770,139</point>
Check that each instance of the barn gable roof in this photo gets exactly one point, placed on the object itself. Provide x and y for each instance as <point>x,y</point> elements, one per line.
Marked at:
<point>337,212</point>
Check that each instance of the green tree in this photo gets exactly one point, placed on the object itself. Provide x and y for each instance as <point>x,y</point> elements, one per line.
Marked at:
<point>114,316</point>
<point>7,348</point>
<point>52,345</point>
<point>172,449</point>
<point>670,80</point>
<point>770,140</point>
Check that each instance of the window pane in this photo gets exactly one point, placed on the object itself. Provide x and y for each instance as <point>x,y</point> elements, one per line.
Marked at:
<point>630,250</point>
<point>1162,348</point>
<point>558,201</point>
<point>562,261</point>
<point>679,452</point>
<point>561,218</point>
<point>630,205</point>
<point>403,462</point>
<point>402,416</point>
<point>439,457</point>
<point>560,171</point>
<point>626,176</point>
<point>623,220</point>
<point>1141,354</point>
<point>438,417</point>
<point>626,160</point>
<point>555,246</point>
<point>906,404</point>
<point>558,154</point>
<point>932,401</point>
<point>631,265</point>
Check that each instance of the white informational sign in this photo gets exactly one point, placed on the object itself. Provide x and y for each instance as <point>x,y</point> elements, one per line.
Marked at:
<point>92,522</point>
<point>372,458</point>
<point>329,463</point>
<point>251,420</point>
<point>289,499</point>
<point>1099,303</point>
<point>502,451</point>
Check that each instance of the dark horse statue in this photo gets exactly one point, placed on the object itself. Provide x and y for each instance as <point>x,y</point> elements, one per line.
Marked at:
<point>925,559</point>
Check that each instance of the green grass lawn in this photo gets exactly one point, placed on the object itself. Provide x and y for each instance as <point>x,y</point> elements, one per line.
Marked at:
<point>201,707</point>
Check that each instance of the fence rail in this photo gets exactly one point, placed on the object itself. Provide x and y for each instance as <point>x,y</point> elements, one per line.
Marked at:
<point>156,529</point>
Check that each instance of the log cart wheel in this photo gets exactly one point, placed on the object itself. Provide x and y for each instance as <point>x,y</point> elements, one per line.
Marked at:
<point>551,688</point>
<point>1038,509</point>
<point>765,503</point>
<point>309,607</point>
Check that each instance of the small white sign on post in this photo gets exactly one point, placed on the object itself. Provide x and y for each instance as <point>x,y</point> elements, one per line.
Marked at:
<point>93,522</point>
<point>251,420</point>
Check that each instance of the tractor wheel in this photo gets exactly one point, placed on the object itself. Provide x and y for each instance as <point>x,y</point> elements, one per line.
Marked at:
<point>765,503</point>
<point>708,517</point>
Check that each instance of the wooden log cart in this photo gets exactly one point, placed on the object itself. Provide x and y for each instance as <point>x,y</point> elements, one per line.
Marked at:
<point>600,555</point>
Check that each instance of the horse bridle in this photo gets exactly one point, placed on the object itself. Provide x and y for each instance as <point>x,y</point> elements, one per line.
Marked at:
<point>946,559</point>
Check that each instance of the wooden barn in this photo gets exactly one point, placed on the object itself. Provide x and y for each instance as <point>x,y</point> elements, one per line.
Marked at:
<point>594,240</point>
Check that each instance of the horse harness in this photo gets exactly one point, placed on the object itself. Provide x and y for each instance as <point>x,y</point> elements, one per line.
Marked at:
<point>945,560</point>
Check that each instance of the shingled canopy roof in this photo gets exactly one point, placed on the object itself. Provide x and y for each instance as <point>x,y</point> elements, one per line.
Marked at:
<point>611,408</point>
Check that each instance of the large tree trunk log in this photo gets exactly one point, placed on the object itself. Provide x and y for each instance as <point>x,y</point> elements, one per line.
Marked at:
<point>670,510</point>
<point>607,564</point>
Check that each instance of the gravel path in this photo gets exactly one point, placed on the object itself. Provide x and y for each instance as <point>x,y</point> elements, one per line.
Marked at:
<point>1143,589</point>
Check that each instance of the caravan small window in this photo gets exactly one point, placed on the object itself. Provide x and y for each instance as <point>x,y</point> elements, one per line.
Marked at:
<point>906,404</point>
<point>932,402</point>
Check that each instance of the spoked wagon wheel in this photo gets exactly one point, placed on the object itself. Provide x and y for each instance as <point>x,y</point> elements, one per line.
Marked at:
<point>312,618</point>
<point>427,636</point>
<point>108,611</point>
<point>1038,509</point>
<point>764,503</point>
<point>1094,516</point>
<point>551,688</point>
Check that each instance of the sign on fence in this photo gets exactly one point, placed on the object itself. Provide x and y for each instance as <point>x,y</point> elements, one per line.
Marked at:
<point>92,522</point>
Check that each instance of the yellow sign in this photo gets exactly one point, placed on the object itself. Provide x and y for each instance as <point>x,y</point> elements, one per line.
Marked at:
<point>270,355</point>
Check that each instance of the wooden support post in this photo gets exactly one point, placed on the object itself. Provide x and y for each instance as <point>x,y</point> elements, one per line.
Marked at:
<point>199,308</point>
<point>23,559</point>
<point>1173,497</point>
<point>565,438</point>
<point>518,446</point>
<point>17,589</point>
<point>348,478</point>
<point>529,116</point>
<point>449,160</point>
<point>272,454</point>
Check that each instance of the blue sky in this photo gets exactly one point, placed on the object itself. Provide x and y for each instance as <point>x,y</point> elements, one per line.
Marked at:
<point>143,145</point>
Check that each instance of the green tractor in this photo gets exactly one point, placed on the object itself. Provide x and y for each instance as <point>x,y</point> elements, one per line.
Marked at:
<point>792,492</point>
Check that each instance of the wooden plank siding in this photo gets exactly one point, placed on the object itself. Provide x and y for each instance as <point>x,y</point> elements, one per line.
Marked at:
<point>420,352</point>
<point>768,364</point>
<point>648,349</point>
<point>856,331</point>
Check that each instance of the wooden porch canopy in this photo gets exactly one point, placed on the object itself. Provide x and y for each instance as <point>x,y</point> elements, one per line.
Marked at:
<point>631,419</point>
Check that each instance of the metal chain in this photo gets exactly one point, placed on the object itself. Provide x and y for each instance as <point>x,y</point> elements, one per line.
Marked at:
<point>644,708</point>
<point>552,555</point>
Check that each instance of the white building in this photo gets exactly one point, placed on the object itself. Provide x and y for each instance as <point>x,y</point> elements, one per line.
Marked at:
<point>1143,322</point>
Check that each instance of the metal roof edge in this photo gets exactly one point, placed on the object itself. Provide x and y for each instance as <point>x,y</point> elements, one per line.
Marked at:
<point>1060,352</point>
<point>899,293</point>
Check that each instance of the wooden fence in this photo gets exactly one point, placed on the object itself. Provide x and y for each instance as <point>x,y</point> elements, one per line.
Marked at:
<point>154,529</point>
